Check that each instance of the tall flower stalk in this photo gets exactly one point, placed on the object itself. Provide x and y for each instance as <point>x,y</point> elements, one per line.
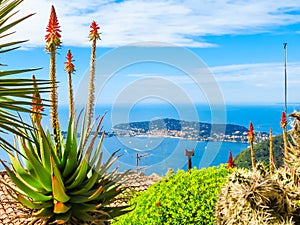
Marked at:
<point>52,43</point>
<point>37,106</point>
<point>251,141</point>
<point>271,159</point>
<point>69,67</point>
<point>94,36</point>
<point>283,124</point>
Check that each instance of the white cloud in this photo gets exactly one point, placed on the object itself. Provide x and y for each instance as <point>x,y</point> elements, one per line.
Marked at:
<point>181,22</point>
<point>262,82</point>
<point>242,83</point>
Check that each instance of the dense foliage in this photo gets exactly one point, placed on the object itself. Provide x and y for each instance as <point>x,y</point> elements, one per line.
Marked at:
<point>183,198</point>
<point>261,153</point>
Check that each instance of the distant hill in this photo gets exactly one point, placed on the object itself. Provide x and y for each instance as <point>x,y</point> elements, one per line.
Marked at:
<point>261,153</point>
<point>179,125</point>
<point>190,130</point>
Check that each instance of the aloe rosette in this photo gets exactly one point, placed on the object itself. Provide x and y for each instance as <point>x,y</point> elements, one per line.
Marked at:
<point>69,184</point>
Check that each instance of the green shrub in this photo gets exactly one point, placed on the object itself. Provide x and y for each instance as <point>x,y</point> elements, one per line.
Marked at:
<point>184,198</point>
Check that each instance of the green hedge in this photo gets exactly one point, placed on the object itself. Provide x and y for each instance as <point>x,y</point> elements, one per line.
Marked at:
<point>184,198</point>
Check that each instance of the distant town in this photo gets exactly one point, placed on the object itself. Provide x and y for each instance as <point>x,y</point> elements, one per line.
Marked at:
<point>195,131</point>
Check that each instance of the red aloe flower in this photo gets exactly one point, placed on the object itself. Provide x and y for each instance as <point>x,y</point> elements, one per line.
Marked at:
<point>37,106</point>
<point>230,163</point>
<point>94,34</point>
<point>36,100</point>
<point>53,32</point>
<point>251,133</point>
<point>69,66</point>
<point>283,120</point>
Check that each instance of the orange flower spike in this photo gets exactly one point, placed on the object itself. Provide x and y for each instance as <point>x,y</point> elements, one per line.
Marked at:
<point>230,163</point>
<point>53,32</point>
<point>69,66</point>
<point>283,120</point>
<point>94,34</point>
<point>37,106</point>
<point>36,100</point>
<point>251,133</point>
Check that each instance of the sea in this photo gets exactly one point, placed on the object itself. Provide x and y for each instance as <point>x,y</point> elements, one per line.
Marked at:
<point>159,154</point>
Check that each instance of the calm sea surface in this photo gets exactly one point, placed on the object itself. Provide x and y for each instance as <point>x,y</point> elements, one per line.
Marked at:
<point>156,155</point>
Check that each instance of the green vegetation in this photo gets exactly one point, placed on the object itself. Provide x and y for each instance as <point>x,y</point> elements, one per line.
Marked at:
<point>64,180</point>
<point>261,150</point>
<point>183,198</point>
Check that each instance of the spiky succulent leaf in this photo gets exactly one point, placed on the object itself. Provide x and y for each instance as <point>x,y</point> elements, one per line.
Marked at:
<point>23,188</point>
<point>58,190</point>
<point>88,186</point>
<point>83,215</point>
<point>33,205</point>
<point>63,218</point>
<point>45,150</point>
<point>44,213</point>
<point>60,207</point>
<point>24,174</point>
<point>42,174</point>
<point>78,177</point>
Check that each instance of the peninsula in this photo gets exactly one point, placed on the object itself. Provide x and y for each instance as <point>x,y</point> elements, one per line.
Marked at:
<point>197,131</point>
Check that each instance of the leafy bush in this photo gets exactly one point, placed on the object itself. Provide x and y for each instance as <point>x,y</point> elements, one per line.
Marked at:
<point>184,198</point>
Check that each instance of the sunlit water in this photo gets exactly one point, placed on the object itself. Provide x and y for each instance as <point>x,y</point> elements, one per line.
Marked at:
<point>156,155</point>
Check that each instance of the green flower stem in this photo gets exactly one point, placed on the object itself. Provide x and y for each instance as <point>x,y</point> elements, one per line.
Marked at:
<point>91,99</point>
<point>252,155</point>
<point>53,97</point>
<point>71,101</point>
<point>272,166</point>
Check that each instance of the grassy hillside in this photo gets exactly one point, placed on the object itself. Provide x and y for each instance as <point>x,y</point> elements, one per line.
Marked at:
<point>261,153</point>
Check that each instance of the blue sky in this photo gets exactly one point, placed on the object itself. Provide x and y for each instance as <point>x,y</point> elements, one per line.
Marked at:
<point>241,42</point>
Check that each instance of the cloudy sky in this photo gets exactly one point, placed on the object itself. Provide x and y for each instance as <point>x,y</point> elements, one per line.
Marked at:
<point>239,42</point>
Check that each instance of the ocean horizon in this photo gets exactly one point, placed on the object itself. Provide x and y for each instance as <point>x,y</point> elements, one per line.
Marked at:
<point>157,155</point>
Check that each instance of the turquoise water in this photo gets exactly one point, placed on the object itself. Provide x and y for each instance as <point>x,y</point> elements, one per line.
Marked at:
<point>163,153</point>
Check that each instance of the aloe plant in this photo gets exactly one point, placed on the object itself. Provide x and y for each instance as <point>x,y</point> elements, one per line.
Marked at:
<point>62,179</point>
<point>70,184</point>
<point>66,183</point>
